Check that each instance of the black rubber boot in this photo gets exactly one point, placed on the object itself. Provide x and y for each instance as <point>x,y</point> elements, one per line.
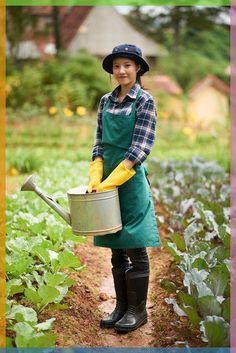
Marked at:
<point>136,314</point>
<point>121,299</point>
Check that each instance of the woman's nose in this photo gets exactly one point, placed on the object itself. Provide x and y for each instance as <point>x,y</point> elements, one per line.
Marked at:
<point>122,69</point>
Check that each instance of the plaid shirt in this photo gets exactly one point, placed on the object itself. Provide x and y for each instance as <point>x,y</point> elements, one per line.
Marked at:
<point>144,131</point>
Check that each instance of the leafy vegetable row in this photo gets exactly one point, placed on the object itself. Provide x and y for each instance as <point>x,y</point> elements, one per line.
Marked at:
<point>196,195</point>
<point>39,256</point>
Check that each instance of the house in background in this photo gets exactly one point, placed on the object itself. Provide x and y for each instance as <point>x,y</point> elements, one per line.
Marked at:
<point>94,28</point>
<point>167,93</point>
<point>208,102</point>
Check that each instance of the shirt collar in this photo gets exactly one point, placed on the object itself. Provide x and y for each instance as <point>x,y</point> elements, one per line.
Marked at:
<point>131,94</point>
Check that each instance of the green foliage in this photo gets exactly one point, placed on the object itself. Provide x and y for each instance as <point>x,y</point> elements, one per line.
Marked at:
<point>39,256</point>
<point>199,242</point>
<point>61,82</point>
<point>24,162</point>
<point>195,37</point>
<point>201,64</point>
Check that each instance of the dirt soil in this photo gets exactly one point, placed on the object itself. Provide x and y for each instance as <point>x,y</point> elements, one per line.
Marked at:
<point>93,296</point>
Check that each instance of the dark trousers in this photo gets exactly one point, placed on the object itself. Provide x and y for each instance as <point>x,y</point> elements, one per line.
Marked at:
<point>137,259</point>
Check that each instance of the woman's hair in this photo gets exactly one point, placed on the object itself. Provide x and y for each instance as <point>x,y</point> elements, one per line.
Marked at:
<point>138,79</point>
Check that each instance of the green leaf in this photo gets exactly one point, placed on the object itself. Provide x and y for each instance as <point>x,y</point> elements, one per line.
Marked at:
<point>38,278</point>
<point>218,279</point>
<point>227,291</point>
<point>220,253</point>
<point>32,295</point>
<point>200,264</point>
<point>46,325</point>
<point>195,278</point>
<point>191,231</point>
<point>22,313</point>
<point>216,331</point>
<point>226,309</point>
<point>14,286</point>
<point>67,235</point>
<point>23,329</point>
<point>208,306</point>
<point>68,259</point>
<point>192,314</point>
<point>48,294</point>
<point>58,306</point>
<point>69,282</point>
<point>169,286</point>
<point>199,246</point>
<point>41,253</point>
<point>53,279</point>
<point>63,291</point>
<point>17,264</point>
<point>187,299</point>
<point>172,249</point>
<point>21,341</point>
<point>224,234</point>
<point>208,217</point>
<point>42,341</point>
<point>17,244</point>
<point>179,241</point>
<point>9,342</point>
<point>203,289</point>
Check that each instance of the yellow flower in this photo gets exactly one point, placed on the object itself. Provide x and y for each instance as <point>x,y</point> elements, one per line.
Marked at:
<point>52,110</point>
<point>14,171</point>
<point>187,131</point>
<point>164,115</point>
<point>67,112</point>
<point>81,111</point>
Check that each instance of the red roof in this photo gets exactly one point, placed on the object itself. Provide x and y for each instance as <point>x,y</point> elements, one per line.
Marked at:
<point>44,10</point>
<point>162,83</point>
<point>210,80</point>
<point>70,19</point>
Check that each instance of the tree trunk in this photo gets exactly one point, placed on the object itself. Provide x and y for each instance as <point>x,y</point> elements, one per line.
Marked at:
<point>56,28</point>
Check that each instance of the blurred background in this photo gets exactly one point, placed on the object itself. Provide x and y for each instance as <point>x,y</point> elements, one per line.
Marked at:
<point>55,80</point>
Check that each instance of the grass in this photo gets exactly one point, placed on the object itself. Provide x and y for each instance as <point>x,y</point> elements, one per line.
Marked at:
<point>45,139</point>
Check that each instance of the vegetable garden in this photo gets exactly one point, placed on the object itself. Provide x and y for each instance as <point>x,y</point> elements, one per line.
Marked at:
<point>40,248</point>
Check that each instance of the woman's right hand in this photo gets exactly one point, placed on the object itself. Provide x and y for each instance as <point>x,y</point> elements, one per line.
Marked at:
<point>95,174</point>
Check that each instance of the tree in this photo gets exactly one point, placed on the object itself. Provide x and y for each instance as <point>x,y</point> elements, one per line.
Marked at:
<point>16,20</point>
<point>173,25</point>
<point>56,28</point>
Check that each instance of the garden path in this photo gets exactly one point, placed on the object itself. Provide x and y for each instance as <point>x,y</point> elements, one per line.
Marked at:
<point>93,295</point>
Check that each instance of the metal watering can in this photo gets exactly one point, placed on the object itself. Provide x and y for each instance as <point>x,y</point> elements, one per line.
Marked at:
<point>90,213</point>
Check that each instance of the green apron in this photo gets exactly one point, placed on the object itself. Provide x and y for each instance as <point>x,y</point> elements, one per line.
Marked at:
<point>136,204</point>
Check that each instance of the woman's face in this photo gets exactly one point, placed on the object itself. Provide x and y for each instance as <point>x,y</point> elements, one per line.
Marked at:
<point>125,71</point>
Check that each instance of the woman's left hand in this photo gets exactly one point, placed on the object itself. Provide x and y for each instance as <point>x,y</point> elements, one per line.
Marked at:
<point>119,176</point>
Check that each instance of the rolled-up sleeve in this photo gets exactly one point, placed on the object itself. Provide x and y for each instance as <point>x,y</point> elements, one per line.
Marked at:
<point>97,148</point>
<point>144,132</point>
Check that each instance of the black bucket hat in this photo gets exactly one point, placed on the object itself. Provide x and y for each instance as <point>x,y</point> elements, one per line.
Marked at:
<point>126,51</point>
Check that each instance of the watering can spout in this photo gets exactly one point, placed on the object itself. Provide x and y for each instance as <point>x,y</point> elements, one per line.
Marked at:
<point>29,185</point>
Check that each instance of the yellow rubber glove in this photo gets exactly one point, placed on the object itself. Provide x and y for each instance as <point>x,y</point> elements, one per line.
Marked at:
<point>95,174</point>
<point>119,176</point>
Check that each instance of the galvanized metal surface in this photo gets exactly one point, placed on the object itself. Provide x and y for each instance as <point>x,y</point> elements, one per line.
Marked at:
<point>90,213</point>
<point>94,213</point>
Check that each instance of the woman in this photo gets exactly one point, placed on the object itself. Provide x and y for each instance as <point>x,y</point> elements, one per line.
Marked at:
<point>125,135</point>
